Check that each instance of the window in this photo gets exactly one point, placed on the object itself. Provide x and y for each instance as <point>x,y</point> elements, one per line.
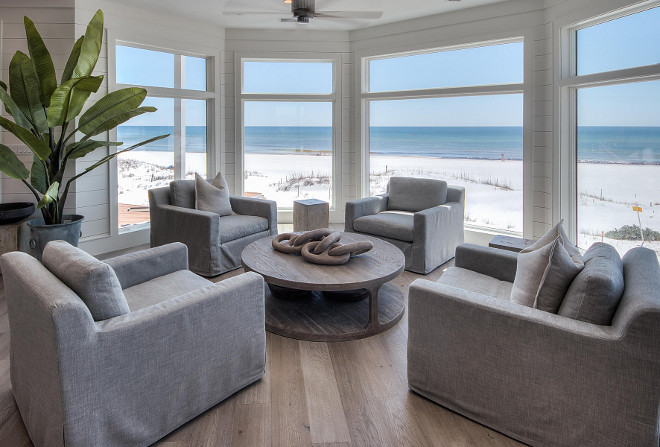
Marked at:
<point>419,126</point>
<point>177,87</point>
<point>288,109</point>
<point>616,131</point>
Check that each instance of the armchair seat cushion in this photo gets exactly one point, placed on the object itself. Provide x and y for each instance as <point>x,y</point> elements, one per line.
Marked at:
<point>163,288</point>
<point>391,224</point>
<point>476,282</point>
<point>237,226</point>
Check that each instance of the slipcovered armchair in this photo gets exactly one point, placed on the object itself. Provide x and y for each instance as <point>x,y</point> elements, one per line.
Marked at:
<point>124,352</point>
<point>542,378</point>
<point>214,243</point>
<point>422,217</point>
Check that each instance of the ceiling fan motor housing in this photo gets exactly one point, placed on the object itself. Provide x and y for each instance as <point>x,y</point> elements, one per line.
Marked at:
<point>303,9</point>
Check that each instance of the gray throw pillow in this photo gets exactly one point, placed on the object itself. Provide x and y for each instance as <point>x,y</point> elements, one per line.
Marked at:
<point>92,280</point>
<point>212,197</point>
<point>415,194</point>
<point>596,292</point>
<point>543,276</point>
<point>182,193</point>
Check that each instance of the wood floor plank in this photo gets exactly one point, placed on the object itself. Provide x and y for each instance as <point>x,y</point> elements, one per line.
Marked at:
<point>252,425</point>
<point>326,414</point>
<point>289,415</point>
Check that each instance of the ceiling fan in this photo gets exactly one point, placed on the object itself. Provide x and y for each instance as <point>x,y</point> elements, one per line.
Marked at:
<point>305,10</point>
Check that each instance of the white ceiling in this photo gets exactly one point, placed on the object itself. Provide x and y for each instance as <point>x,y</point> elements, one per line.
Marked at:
<point>211,11</point>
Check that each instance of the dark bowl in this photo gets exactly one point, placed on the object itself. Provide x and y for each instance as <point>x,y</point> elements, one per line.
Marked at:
<point>15,212</point>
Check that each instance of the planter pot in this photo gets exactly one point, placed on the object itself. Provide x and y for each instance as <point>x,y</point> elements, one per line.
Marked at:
<point>15,212</point>
<point>41,234</point>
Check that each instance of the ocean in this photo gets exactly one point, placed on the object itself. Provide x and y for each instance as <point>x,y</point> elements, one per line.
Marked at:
<point>598,144</point>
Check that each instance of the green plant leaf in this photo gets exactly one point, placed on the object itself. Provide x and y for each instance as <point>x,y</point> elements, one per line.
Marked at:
<point>4,87</point>
<point>38,175</point>
<point>91,47</point>
<point>39,147</point>
<point>73,60</point>
<point>10,165</point>
<point>50,196</point>
<point>117,120</point>
<point>12,108</point>
<point>80,149</point>
<point>79,96</point>
<point>111,156</point>
<point>24,90</point>
<point>61,100</point>
<point>43,63</point>
<point>110,106</point>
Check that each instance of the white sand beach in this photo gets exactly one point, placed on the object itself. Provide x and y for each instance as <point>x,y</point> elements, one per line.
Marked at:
<point>494,190</point>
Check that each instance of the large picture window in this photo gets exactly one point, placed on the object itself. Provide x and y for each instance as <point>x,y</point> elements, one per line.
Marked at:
<point>616,131</point>
<point>441,115</point>
<point>177,87</point>
<point>288,138</point>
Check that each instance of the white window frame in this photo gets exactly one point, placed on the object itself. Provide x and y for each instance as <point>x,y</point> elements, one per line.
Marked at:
<point>478,234</point>
<point>565,171</point>
<point>285,215</point>
<point>179,94</point>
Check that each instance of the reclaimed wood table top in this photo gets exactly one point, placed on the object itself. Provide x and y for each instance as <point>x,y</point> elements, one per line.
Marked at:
<point>379,265</point>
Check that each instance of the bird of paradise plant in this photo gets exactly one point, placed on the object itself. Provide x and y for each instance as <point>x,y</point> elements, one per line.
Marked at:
<point>45,116</point>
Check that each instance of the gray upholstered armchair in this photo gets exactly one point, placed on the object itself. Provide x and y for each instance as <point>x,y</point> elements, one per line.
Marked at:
<point>214,243</point>
<point>123,352</point>
<point>422,217</point>
<point>542,378</point>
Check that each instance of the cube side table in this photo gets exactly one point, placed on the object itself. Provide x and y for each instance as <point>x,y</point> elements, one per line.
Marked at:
<point>310,214</point>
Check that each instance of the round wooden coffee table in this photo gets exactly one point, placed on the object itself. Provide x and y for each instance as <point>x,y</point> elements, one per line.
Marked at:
<point>317,317</point>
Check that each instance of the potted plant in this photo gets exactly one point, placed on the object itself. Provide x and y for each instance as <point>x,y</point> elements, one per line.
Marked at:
<point>46,119</point>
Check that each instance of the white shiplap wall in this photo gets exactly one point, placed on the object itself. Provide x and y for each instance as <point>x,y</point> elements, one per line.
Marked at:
<point>54,20</point>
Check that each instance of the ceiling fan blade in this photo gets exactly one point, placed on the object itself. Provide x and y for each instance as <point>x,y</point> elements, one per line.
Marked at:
<point>290,19</point>
<point>349,14</point>
<point>253,13</point>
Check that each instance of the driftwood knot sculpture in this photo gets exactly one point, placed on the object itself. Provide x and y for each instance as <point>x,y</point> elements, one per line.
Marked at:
<point>320,246</point>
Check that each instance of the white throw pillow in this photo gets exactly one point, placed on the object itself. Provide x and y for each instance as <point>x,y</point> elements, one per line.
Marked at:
<point>551,235</point>
<point>212,197</point>
<point>544,275</point>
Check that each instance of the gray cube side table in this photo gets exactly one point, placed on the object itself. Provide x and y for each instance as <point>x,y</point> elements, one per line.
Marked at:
<point>310,214</point>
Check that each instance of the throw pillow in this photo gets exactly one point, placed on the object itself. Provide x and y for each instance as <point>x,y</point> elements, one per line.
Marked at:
<point>92,280</point>
<point>182,193</point>
<point>596,292</point>
<point>543,276</point>
<point>551,235</point>
<point>212,197</point>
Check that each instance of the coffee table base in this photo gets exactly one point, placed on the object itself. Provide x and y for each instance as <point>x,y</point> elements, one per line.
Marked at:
<point>318,318</point>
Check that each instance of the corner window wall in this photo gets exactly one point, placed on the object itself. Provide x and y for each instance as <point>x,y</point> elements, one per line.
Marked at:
<point>288,129</point>
<point>442,115</point>
<point>615,92</point>
<point>177,87</point>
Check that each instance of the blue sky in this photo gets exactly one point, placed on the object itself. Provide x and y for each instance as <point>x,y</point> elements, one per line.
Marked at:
<point>623,43</point>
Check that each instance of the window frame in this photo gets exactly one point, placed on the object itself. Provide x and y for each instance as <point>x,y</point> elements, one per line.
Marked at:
<point>565,184</point>
<point>178,94</point>
<point>285,215</point>
<point>473,232</point>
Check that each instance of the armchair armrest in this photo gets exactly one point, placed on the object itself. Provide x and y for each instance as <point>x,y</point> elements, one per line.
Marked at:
<point>256,207</point>
<point>135,268</point>
<point>437,231</point>
<point>500,264</point>
<point>174,224</point>
<point>363,207</point>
